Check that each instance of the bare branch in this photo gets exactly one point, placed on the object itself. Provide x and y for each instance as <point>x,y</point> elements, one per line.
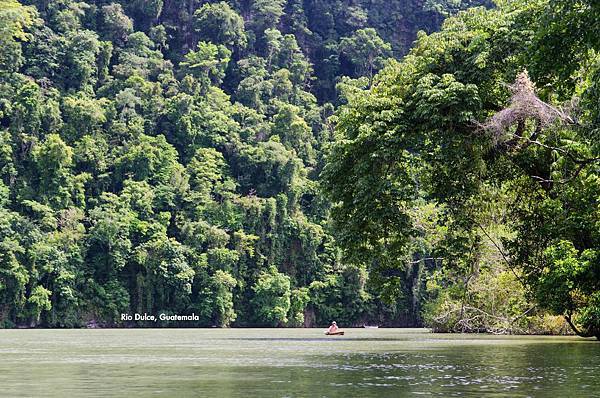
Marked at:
<point>501,251</point>
<point>524,105</point>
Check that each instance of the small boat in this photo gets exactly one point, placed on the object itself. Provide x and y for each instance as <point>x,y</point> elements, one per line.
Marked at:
<point>340,333</point>
<point>370,327</point>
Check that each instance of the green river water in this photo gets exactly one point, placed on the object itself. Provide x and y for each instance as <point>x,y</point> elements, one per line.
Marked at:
<point>293,363</point>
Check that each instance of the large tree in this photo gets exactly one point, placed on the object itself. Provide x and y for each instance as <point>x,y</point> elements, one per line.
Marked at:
<point>448,121</point>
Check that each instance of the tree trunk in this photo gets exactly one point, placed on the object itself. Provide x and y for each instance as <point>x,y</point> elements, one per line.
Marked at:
<point>586,334</point>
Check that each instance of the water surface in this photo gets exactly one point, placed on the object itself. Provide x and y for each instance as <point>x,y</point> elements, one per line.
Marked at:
<point>293,363</point>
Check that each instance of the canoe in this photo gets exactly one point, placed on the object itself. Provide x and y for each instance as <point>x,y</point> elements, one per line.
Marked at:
<point>334,333</point>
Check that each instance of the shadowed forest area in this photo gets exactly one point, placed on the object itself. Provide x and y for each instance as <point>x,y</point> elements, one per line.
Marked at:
<point>286,163</point>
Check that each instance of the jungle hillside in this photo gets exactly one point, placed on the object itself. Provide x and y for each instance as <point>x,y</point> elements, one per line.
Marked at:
<point>286,163</point>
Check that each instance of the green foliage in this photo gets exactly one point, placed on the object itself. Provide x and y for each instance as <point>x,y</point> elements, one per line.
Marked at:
<point>117,25</point>
<point>15,19</point>
<point>220,24</point>
<point>221,289</point>
<point>208,63</point>
<point>299,299</point>
<point>366,51</point>
<point>272,298</point>
<point>267,13</point>
<point>38,301</point>
<point>430,129</point>
<point>164,157</point>
<point>163,275</point>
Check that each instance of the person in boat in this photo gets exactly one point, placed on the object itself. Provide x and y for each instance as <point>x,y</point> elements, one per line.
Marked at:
<point>333,328</point>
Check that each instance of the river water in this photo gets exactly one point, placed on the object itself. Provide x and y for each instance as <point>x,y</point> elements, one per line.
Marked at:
<point>293,363</point>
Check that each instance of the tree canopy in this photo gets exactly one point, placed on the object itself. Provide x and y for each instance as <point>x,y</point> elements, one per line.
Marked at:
<point>460,123</point>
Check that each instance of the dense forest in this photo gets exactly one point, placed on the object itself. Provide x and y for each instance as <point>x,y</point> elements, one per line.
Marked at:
<point>287,163</point>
